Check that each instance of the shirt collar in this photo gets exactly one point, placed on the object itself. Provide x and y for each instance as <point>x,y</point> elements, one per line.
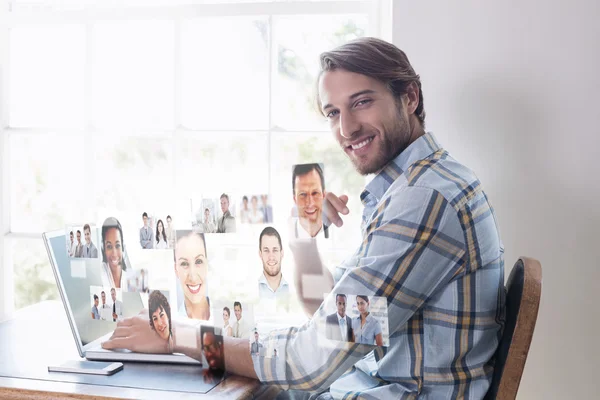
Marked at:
<point>421,148</point>
<point>263,280</point>
<point>339,316</point>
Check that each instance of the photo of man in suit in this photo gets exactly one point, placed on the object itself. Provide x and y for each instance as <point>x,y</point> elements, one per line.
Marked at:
<point>146,234</point>
<point>339,325</point>
<point>256,345</point>
<point>79,247</point>
<point>266,209</point>
<point>89,250</point>
<point>117,307</point>
<point>226,221</point>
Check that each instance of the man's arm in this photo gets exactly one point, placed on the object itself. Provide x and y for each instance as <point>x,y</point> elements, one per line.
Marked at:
<point>413,247</point>
<point>142,238</point>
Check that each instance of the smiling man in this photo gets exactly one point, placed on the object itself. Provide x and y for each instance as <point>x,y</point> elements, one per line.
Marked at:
<point>430,246</point>
<point>271,284</point>
<point>308,186</point>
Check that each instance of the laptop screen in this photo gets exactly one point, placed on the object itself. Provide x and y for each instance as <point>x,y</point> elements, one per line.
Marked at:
<point>95,307</point>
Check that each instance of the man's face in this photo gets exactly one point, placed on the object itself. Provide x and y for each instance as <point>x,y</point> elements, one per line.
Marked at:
<point>256,337</point>
<point>224,204</point>
<point>308,196</point>
<point>169,222</point>
<point>113,295</point>
<point>365,119</point>
<point>212,351</point>
<point>78,237</point>
<point>341,305</point>
<point>238,312</point>
<point>271,255</point>
<point>103,295</point>
<point>88,236</point>
<point>71,236</point>
<point>145,221</point>
<point>264,199</point>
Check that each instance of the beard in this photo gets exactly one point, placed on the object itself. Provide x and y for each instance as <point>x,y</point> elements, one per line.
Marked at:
<point>394,139</point>
<point>270,271</point>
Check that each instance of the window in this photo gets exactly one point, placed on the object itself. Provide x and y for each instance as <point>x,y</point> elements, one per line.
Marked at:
<point>115,107</point>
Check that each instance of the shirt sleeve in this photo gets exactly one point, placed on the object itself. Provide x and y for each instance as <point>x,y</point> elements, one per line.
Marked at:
<point>412,246</point>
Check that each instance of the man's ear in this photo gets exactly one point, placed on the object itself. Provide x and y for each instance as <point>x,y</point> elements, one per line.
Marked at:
<point>412,92</point>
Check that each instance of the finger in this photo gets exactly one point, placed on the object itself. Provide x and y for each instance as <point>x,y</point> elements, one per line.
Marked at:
<point>339,203</point>
<point>121,331</point>
<point>125,322</point>
<point>117,343</point>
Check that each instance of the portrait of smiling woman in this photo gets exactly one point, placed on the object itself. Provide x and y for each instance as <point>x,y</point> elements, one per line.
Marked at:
<point>191,270</point>
<point>113,250</point>
<point>160,314</point>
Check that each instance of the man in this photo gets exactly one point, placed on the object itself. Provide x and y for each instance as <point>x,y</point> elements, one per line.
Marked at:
<point>226,223</point>
<point>117,307</point>
<point>256,346</point>
<point>95,313</point>
<point>170,233</point>
<point>308,185</point>
<point>72,246</point>
<point>267,209</point>
<point>212,347</point>
<point>271,284</point>
<point>79,247</point>
<point>339,325</point>
<point>241,328</point>
<point>430,246</point>
<point>146,234</point>
<point>89,250</point>
<point>143,282</point>
<point>105,309</point>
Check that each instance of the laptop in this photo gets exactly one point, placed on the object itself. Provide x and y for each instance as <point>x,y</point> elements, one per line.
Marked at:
<point>77,280</point>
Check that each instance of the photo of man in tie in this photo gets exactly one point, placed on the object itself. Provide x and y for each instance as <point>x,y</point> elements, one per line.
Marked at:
<point>339,325</point>
<point>89,250</point>
<point>146,234</point>
<point>79,247</point>
<point>117,307</point>
<point>226,221</point>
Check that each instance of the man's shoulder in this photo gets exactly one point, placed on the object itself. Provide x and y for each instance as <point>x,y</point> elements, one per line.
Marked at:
<point>332,317</point>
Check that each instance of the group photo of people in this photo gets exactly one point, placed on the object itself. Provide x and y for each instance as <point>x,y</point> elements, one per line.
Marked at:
<point>213,214</point>
<point>82,241</point>
<point>256,209</point>
<point>156,233</point>
<point>357,318</point>
<point>106,303</point>
<point>238,318</point>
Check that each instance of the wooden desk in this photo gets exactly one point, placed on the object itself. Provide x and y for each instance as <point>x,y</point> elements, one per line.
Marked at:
<point>54,337</point>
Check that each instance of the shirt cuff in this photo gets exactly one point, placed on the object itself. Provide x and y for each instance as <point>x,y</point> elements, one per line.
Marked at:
<point>269,363</point>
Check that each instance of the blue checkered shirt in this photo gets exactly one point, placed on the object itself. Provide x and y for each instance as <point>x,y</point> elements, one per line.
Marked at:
<point>432,248</point>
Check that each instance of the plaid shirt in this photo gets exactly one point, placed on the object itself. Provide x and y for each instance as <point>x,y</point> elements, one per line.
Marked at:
<point>431,246</point>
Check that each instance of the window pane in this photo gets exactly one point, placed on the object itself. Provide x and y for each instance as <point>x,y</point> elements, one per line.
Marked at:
<point>132,74</point>
<point>47,76</point>
<point>298,51</point>
<point>340,178</point>
<point>132,173</point>
<point>33,278</point>
<point>224,162</point>
<point>47,181</point>
<point>225,82</point>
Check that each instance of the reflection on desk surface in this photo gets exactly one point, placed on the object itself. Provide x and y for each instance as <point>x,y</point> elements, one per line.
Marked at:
<point>39,336</point>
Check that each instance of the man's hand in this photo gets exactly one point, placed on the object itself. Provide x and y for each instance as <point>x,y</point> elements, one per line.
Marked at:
<point>333,206</point>
<point>136,335</point>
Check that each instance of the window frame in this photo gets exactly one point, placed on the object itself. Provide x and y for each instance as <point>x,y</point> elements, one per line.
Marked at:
<point>12,14</point>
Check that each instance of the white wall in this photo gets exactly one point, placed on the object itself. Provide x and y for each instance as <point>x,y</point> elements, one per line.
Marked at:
<point>5,280</point>
<point>511,89</point>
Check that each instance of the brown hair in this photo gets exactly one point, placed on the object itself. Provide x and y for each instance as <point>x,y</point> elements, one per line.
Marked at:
<point>377,59</point>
